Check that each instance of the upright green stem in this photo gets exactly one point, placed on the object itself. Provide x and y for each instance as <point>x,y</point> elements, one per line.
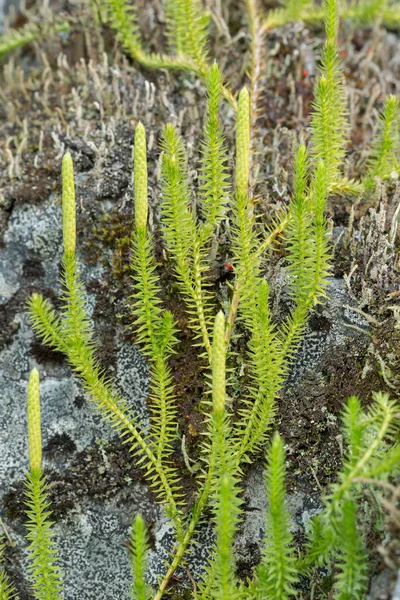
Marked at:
<point>198,296</point>
<point>218,390</point>
<point>357,469</point>
<point>198,509</point>
<point>256,36</point>
<point>99,389</point>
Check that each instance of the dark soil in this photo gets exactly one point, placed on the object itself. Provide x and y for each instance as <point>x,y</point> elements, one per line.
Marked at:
<point>100,140</point>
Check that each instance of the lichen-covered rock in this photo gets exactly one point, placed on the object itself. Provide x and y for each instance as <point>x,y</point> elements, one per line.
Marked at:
<point>95,485</point>
<point>396,593</point>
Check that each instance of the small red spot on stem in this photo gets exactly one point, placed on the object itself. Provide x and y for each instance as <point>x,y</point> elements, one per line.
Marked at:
<point>228,266</point>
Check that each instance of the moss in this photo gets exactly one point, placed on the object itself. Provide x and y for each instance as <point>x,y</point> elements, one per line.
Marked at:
<point>313,448</point>
<point>112,231</point>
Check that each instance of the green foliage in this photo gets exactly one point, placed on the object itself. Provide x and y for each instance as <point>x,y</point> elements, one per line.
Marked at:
<point>45,577</point>
<point>224,584</point>
<point>185,31</point>
<point>384,154</point>
<point>266,376</point>
<point>329,120</point>
<point>372,454</point>
<point>7,590</point>
<point>124,20</point>
<point>371,436</point>
<point>230,437</point>
<point>335,538</point>
<point>73,334</point>
<point>187,25</point>
<point>295,9</point>
<point>362,12</point>
<point>243,143</point>
<point>220,583</point>
<point>188,240</point>
<point>277,573</point>
<point>44,572</point>
<point>319,191</point>
<point>368,11</point>
<point>352,567</point>
<point>19,38</point>
<point>299,231</point>
<point>187,28</point>
<point>138,551</point>
<point>269,350</point>
<point>214,186</point>
<point>179,226</point>
<point>183,237</point>
<point>252,293</point>
<point>155,328</point>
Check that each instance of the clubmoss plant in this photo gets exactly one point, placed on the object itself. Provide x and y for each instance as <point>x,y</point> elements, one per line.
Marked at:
<point>277,572</point>
<point>360,11</point>
<point>189,249</point>
<point>220,580</point>
<point>138,553</point>
<point>14,39</point>
<point>7,590</point>
<point>232,434</point>
<point>372,456</point>
<point>187,31</point>
<point>44,572</point>
<point>385,150</point>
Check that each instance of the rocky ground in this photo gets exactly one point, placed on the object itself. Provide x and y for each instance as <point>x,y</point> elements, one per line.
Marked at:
<point>78,92</point>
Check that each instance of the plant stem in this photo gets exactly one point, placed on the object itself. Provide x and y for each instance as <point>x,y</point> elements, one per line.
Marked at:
<point>198,296</point>
<point>180,551</point>
<point>256,34</point>
<point>236,293</point>
<point>232,312</point>
<point>357,469</point>
<point>197,512</point>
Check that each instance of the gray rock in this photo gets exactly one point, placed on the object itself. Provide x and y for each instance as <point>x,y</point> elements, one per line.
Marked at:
<point>302,508</point>
<point>381,586</point>
<point>396,593</point>
<point>331,327</point>
<point>92,535</point>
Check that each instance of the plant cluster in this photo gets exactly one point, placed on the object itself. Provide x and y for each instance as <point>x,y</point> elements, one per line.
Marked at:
<point>233,435</point>
<point>18,38</point>
<point>187,23</point>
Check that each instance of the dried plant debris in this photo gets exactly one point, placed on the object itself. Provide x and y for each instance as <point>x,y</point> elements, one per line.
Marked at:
<point>77,91</point>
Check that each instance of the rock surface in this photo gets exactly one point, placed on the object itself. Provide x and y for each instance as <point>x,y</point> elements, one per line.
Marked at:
<point>93,534</point>
<point>96,486</point>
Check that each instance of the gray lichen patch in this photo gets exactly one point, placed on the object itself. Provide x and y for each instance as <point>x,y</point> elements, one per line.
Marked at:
<point>71,425</point>
<point>91,109</point>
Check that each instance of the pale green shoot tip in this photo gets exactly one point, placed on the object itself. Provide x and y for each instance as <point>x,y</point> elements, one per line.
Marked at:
<point>243,142</point>
<point>218,363</point>
<point>68,205</point>
<point>140,178</point>
<point>34,429</point>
